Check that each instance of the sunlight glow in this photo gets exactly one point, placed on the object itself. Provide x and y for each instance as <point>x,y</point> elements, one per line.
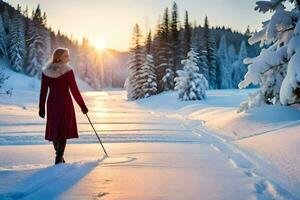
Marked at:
<point>100,44</point>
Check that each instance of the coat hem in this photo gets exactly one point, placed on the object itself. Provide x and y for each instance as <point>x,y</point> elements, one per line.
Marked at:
<point>51,140</point>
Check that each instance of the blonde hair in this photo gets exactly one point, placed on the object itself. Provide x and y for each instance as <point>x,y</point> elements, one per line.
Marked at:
<point>57,54</point>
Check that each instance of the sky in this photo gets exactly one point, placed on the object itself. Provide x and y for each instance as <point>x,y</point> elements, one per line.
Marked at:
<point>109,23</point>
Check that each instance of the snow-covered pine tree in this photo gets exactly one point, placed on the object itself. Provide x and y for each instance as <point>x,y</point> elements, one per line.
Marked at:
<point>224,70</point>
<point>209,47</point>
<point>133,83</point>
<point>196,44</point>
<point>276,69</point>
<point>148,77</point>
<point>239,68</point>
<point>3,39</point>
<point>16,42</point>
<point>202,64</point>
<point>232,56</point>
<point>196,40</point>
<point>38,49</point>
<point>190,84</point>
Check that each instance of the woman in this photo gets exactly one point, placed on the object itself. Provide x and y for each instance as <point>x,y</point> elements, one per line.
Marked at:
<point>58,76</point>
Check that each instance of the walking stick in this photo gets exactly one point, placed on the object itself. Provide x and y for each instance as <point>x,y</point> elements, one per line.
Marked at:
<point>97,135</point>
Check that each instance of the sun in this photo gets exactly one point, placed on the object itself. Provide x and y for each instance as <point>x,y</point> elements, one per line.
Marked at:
<point>100,44</point>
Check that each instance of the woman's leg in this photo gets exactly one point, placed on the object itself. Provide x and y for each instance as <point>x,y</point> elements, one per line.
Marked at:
<point>55,145</point>
<point>60,149</point>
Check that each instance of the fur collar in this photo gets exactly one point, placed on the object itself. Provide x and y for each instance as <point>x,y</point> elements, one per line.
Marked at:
<point>55,70</point>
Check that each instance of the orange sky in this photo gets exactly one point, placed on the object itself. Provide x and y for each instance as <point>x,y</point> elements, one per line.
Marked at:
<point>110,22</point>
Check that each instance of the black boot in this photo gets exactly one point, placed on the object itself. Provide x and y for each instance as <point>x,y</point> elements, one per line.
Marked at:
<point>60,149</point>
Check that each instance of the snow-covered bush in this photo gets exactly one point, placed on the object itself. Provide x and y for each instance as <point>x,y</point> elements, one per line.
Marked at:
<point>276,69</point>
<point>190,84</point>
<point>168,80</point>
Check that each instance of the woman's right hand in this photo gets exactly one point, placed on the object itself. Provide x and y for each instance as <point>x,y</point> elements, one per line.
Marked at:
<point>84,109</point>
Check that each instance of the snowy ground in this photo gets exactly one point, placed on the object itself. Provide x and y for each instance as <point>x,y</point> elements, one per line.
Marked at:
<point>159,147</point>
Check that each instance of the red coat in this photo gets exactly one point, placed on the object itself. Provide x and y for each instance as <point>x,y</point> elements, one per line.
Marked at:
<point>61,120</point>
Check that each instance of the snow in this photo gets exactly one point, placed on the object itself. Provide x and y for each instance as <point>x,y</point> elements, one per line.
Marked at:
<point>267,136</point>
<point>157,145</point>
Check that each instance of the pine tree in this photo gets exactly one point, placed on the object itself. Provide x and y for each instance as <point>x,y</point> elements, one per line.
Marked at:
<point>16,42</point>
<point>3,39</point>
<point>164,54</point>
<point>149,43</point>
<point>190,84</point>
<point>175,38</point>
<point>38,44</point>
<point>27,24</point>
<point>136,60</point>
<point>6,19</point>
<point>209,47</point>
<point>25,12</point>
<point>148,77</point>
<point>198,48</point>
<point>248,32</point>
<point>187,34</point>
<point>224,71</point>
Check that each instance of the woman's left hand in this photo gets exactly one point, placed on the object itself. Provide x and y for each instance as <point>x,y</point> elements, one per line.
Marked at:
<point>42,113</point>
